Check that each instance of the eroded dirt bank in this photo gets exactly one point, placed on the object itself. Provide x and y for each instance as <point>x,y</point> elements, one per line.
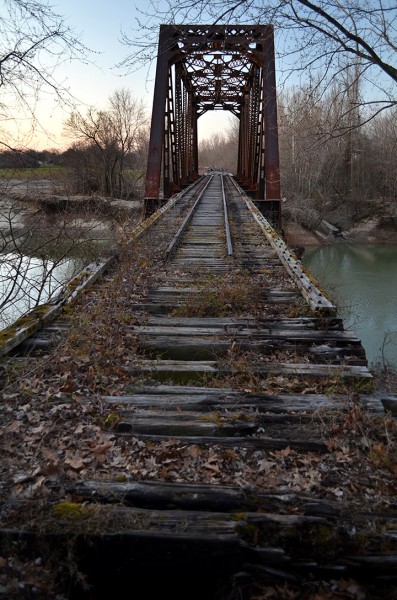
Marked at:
<point>79,217</point>
<point>33,204</point>
<point>368,223</point>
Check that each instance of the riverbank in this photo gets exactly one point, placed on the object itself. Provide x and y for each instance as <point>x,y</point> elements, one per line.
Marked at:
<point>47,238</point>
<point>367,223</point>
<point>368,231</point>
<point>44,213</point>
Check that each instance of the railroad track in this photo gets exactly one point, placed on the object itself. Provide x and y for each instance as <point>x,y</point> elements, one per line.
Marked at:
<point>205,230</point>
<point>237,355</point>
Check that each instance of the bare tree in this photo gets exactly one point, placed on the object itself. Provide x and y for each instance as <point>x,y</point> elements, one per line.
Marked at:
<point>220,150</point>
<point>109,138</point>
<point>381,153</point>
<point>346,176</point>
<point>320,139</point>
<point>130,122</point>
<point>37,254</point>
<point>34,42</point>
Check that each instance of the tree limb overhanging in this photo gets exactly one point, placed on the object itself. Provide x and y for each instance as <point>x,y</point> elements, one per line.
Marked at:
<point>313,39</point>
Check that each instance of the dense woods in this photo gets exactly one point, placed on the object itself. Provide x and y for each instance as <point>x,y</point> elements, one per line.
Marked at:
<point>328,152</point>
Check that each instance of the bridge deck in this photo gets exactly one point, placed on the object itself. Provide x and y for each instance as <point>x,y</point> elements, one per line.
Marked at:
<point>209,432</point>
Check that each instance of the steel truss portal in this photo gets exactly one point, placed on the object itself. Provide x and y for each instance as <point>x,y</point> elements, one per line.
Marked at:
<point>218,67</point>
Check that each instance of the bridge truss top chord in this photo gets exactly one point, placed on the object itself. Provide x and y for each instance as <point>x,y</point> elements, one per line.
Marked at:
<point>218,67</point>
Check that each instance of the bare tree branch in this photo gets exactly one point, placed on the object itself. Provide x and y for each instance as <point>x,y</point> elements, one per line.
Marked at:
<point>34,41</point>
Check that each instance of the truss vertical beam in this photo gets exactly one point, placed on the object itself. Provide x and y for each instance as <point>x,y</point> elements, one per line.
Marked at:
<point>272,161</point>
<point>157,129</point>
<point>194,125</point>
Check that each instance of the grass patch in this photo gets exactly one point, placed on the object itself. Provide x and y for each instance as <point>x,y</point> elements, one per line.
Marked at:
<point>223,296</point>
<point>34,173</point>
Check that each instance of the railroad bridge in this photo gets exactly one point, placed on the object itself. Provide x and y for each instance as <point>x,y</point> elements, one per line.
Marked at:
<point>190,416</point>
<point>218,67</point>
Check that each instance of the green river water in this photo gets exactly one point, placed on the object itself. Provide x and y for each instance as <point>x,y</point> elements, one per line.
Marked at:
<point>362,281</point>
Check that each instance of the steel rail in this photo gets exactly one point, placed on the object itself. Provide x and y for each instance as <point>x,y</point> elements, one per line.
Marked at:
<point>175,240</point>
<point>227,224</point>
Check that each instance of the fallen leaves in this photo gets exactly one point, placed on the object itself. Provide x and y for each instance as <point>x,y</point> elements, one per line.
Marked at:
<point>67,439</point>
<point>55,428</point>
<point>335,589</point>
<point>74,460</point>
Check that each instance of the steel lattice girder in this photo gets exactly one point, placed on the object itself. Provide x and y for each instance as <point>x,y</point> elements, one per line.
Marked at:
<point>216,67</point>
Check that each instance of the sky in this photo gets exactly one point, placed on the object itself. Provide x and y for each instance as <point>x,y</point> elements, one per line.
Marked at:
<point>100,24</point>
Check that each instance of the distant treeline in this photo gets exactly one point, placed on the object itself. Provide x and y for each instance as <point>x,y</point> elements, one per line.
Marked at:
<point>19,159</point>
<point>32,159</point>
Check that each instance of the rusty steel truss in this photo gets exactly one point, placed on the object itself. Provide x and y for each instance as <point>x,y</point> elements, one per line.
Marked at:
<point>217,67</point>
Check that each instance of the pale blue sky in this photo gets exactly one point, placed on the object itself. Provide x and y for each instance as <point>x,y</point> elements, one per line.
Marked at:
<point>99,23</point>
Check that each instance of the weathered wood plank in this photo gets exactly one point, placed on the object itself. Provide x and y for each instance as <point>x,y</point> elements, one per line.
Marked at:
<point>207,399</point>
<point>258,443</point>
<point>164,306</point>
<point>202,348</point>
<point>164,495</point>
<point>271,368</point>
<point>252,333</point>
<point>177,425</point>
<point>199,496</point>
<point>301,323</point>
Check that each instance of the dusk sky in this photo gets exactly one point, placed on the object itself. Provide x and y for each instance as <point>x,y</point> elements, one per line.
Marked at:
<point>99,23</point>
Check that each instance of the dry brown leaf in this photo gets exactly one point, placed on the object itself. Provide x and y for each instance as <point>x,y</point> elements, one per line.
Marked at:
<point>211,466</point>
<point>100,452</point>
<point>69,386</point>
<point>264,466</point>
<point>14,426</point>
<point>75,462</point>
<point>194,451</point>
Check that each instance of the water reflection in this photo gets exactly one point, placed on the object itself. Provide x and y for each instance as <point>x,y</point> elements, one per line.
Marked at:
<point>28,281</point>
<point>362,281</point>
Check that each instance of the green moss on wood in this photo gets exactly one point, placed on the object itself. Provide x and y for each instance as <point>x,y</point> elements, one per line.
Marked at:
<point>71,511</point>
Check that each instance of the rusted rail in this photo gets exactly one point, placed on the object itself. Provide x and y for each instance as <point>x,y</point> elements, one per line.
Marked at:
<point>227,224</point>
<point>199,191</point>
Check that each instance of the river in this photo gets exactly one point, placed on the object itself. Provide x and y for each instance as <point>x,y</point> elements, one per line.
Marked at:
<point>26,281</point>
<point>362,281</point>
